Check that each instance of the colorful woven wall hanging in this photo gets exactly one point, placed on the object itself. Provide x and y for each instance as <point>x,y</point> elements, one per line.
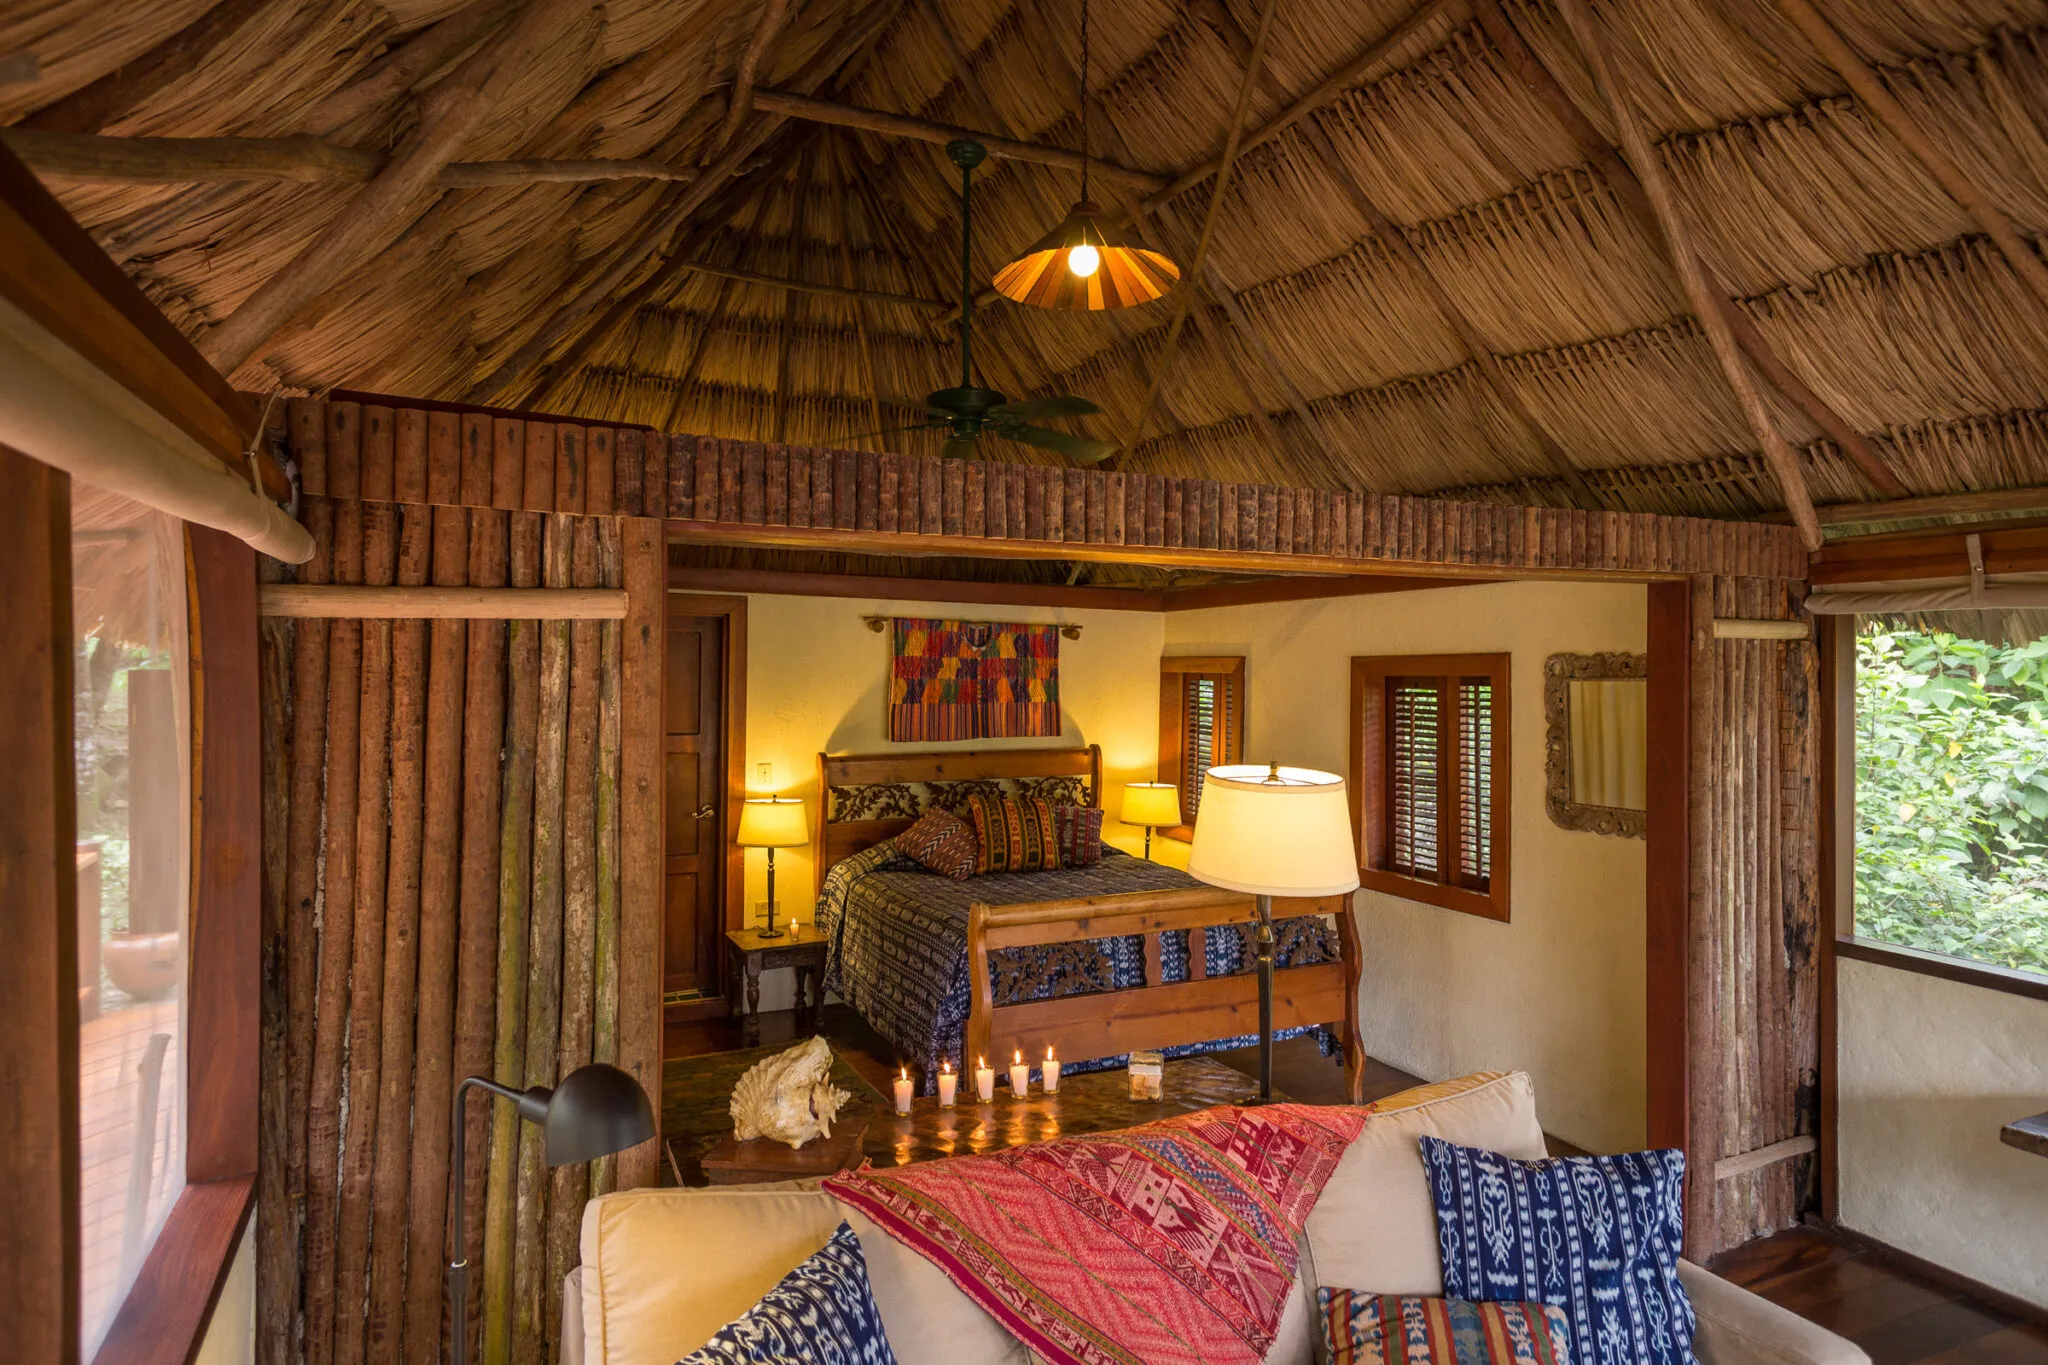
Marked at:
<point>973,680</point>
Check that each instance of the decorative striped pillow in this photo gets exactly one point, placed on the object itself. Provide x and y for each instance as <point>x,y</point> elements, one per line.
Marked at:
<point>1080,834</point>
<point>1388,1329</point>
<point>1013,834</point>
<point>942,842</point>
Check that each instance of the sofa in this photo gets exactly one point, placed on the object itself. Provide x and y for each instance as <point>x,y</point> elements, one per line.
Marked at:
<point>662,1269</point>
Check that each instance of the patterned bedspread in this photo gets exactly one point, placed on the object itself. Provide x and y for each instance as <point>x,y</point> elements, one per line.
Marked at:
<point>898,953</point>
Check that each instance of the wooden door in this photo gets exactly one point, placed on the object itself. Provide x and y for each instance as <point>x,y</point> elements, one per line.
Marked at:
<point>694,919</point>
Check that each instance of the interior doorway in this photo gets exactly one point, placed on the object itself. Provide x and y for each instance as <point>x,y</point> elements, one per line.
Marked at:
<point>704,764</point>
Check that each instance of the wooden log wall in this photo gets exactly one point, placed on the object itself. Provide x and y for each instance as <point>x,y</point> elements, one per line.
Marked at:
<point>450,847</point>
<point>714,489</point>
<point>1753,1010</point>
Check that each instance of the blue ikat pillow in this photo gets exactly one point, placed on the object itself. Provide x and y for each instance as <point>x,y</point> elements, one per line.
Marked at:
<point>822,1313</point>
<point>1598,1236</point>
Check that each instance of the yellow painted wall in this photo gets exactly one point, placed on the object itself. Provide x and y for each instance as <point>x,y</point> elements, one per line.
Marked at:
<point>1930,1070</point>
<point>817,680</point>
<point>230,1337</point>
<point>1558,991</point>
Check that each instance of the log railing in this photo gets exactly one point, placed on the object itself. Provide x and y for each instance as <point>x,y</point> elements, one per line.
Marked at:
<point>1159,1013</point>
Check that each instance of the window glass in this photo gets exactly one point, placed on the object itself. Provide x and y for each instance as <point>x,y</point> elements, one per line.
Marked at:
<point>133,753</point>
<point>1952,790</point>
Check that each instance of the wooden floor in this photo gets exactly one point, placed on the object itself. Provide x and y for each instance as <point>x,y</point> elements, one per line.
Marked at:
<point>1898,1314</point>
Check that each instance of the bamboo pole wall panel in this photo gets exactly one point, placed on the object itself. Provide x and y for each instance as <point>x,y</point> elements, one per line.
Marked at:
<point>767,493</point>
<point>1754,1042</point>
<point>449,851</point>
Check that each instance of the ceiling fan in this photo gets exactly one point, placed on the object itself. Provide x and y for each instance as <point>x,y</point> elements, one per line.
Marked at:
<point>969,412</point>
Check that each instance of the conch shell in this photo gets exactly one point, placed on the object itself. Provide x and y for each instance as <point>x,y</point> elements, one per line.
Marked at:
<point>789,1097</point>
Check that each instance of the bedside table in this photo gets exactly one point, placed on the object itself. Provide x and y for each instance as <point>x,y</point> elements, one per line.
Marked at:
<point>749,954</point>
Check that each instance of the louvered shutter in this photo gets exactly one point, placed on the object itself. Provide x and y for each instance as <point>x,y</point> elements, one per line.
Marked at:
<point>1475,782</point>
<point>1414,721</point>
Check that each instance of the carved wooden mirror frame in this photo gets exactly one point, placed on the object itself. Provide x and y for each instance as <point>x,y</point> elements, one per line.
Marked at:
<point>1560,671</point>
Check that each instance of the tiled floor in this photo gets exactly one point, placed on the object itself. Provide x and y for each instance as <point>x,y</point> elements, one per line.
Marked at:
<point>1898,1315</point>
<point>111,1049</point>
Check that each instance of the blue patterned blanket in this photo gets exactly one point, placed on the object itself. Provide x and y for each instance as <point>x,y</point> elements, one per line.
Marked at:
<point>898,949</point>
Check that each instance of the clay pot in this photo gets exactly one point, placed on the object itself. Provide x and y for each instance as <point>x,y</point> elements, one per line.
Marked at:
<point>144,966</point>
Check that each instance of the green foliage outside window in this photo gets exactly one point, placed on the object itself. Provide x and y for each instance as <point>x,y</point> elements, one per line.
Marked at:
<point>1952,795</point>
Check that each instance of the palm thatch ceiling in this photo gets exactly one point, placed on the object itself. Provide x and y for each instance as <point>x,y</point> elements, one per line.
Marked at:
<point>1433,280</point>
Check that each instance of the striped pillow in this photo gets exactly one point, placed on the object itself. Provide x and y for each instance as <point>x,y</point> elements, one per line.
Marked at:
<point>1013,834</point>
<point>1080,834</point>
<point>1389,1329</point>
<point>941,842</point>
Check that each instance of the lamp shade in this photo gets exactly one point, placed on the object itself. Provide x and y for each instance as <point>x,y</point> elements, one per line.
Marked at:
<point>773,822</point>
<point>1151,803</point>
<point>595,1111</point>
<point>1110,271</point>
<point>1274,831</point>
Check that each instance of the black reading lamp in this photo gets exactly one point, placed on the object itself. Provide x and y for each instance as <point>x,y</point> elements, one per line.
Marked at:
<point>595,1111</point>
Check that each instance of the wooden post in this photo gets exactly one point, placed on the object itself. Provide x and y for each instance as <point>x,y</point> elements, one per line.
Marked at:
<point>643,638</point>
<point>605,1023</point>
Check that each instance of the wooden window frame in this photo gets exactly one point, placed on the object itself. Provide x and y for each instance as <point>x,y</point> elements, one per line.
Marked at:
<point>1173,673</point>
<point>167,1310</point>
<point>1370,799</point>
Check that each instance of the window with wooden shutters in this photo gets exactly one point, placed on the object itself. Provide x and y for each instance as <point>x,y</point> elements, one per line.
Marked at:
<point>1429,754</point>
<point>1201,725</point>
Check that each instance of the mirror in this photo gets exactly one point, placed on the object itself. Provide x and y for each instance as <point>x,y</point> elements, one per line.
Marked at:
<point>1595,706</point>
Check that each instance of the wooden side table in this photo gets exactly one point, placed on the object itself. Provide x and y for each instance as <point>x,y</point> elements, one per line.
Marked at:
<point>732,1162</point>
<point>749,954</point>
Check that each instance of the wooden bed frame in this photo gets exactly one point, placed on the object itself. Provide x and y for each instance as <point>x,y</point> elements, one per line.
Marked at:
<point>1156,1015</point>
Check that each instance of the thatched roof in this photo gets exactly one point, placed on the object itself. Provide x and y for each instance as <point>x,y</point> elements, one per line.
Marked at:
<point>1316,354</point>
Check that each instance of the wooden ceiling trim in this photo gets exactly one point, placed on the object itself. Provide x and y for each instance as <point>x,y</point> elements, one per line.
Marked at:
<point>1708,305</point>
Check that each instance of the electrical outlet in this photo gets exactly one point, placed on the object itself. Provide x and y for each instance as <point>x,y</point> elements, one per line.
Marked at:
<point>764,775</point>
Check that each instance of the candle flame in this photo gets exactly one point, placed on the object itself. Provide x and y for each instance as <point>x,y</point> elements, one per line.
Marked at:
<point>1020,1057</point>
<point>1048,1052</point>
<point>946,1066</point>
<point>906,1073</point>
<point>980,1063</point>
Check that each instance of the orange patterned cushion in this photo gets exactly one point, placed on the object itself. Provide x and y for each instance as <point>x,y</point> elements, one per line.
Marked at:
<point>1013,834</point>
<point>942,842</point>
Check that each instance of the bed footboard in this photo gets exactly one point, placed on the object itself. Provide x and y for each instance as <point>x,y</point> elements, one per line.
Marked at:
<point>1159,1013</point>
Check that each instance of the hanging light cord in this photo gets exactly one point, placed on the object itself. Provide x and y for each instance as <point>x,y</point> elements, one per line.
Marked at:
<point>1084,99</point>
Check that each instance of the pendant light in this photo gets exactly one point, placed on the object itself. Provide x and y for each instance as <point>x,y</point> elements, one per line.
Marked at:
<point>1084,264</point>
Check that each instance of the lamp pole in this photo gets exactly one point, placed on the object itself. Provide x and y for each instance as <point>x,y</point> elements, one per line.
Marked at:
<point>1262,946</point>
<point>533,1107</point>
<point>771,931</point>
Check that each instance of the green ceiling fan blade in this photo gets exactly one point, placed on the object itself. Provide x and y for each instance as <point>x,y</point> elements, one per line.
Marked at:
<point>1083,448</point>
<point>958,448</point>
<point>1039,409</point>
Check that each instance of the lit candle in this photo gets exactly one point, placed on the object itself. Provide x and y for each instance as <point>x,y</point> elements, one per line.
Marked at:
<point>984,1079</point>
<point>903,1092</point>
<point>948,1083</point>
<point>1052,1072</point>
<point>1020,1076</point>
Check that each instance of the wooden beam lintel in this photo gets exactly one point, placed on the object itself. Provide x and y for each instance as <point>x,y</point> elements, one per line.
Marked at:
<point>349,602</point>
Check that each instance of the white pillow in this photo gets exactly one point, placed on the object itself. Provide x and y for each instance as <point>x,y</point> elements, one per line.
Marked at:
<point>1374,1228</point>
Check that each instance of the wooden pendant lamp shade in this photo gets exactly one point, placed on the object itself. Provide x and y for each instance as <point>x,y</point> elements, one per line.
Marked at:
<point>1128,274</point>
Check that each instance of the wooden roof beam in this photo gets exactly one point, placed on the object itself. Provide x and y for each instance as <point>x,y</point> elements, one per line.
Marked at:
<point>409,64</point>
<point>449,114</point>
<point>1678,238</point>
<point>1628,188</point>
<point>1231,142</point>
<point>1871,93</point>
<point>767,28</point>
<point>89,158</point>
<point>858,36</point>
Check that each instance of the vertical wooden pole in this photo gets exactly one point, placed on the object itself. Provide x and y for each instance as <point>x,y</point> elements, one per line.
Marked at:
<point>515,882</point>
<point>39,1256</point>
<point>1708,863</point>
<point>440,900</point>
<point>605,1021</point>
<point>1666,899</point>
<point>643,637</point>
<point>392,1171</point>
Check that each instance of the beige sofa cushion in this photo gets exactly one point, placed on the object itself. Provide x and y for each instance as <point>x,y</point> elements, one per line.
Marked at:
<point>1375,1226</point>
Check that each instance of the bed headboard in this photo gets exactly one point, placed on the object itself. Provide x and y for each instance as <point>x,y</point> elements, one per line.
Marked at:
<point>838,838</point>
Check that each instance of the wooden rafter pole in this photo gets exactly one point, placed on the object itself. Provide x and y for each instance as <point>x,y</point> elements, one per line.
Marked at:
<point>1635,144</point>
<point>1628,188</point>
<point>858,36</point>
<point>450,113</point>
<point>786,341</point>
<point>88,158</point>
<point>409,64</point>
<point>774,13</point>
<point>843,291</point>
<point>1231,143</point>
<point>1870,92</point>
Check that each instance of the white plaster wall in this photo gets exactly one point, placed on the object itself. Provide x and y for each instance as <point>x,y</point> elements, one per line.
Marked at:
<point>231,1332</point>
<point>1557,991</point>
<point>817,680</point>
<point>1929,1072</point>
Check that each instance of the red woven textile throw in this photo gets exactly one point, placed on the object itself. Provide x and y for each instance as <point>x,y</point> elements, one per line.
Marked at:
<point>1171,1242</point>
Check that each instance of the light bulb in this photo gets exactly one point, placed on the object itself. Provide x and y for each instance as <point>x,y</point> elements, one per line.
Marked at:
<point>1084,260</point>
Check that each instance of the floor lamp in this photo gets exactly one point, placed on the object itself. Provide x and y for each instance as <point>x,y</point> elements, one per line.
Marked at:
<point>595,1111</point>
<point>1272,831</point>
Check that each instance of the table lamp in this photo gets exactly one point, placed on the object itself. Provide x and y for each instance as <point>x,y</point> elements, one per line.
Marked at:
<point>1154,805</point>
<point>773,822</point>
<point>1273,831</point>
<point>595,1111</point>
